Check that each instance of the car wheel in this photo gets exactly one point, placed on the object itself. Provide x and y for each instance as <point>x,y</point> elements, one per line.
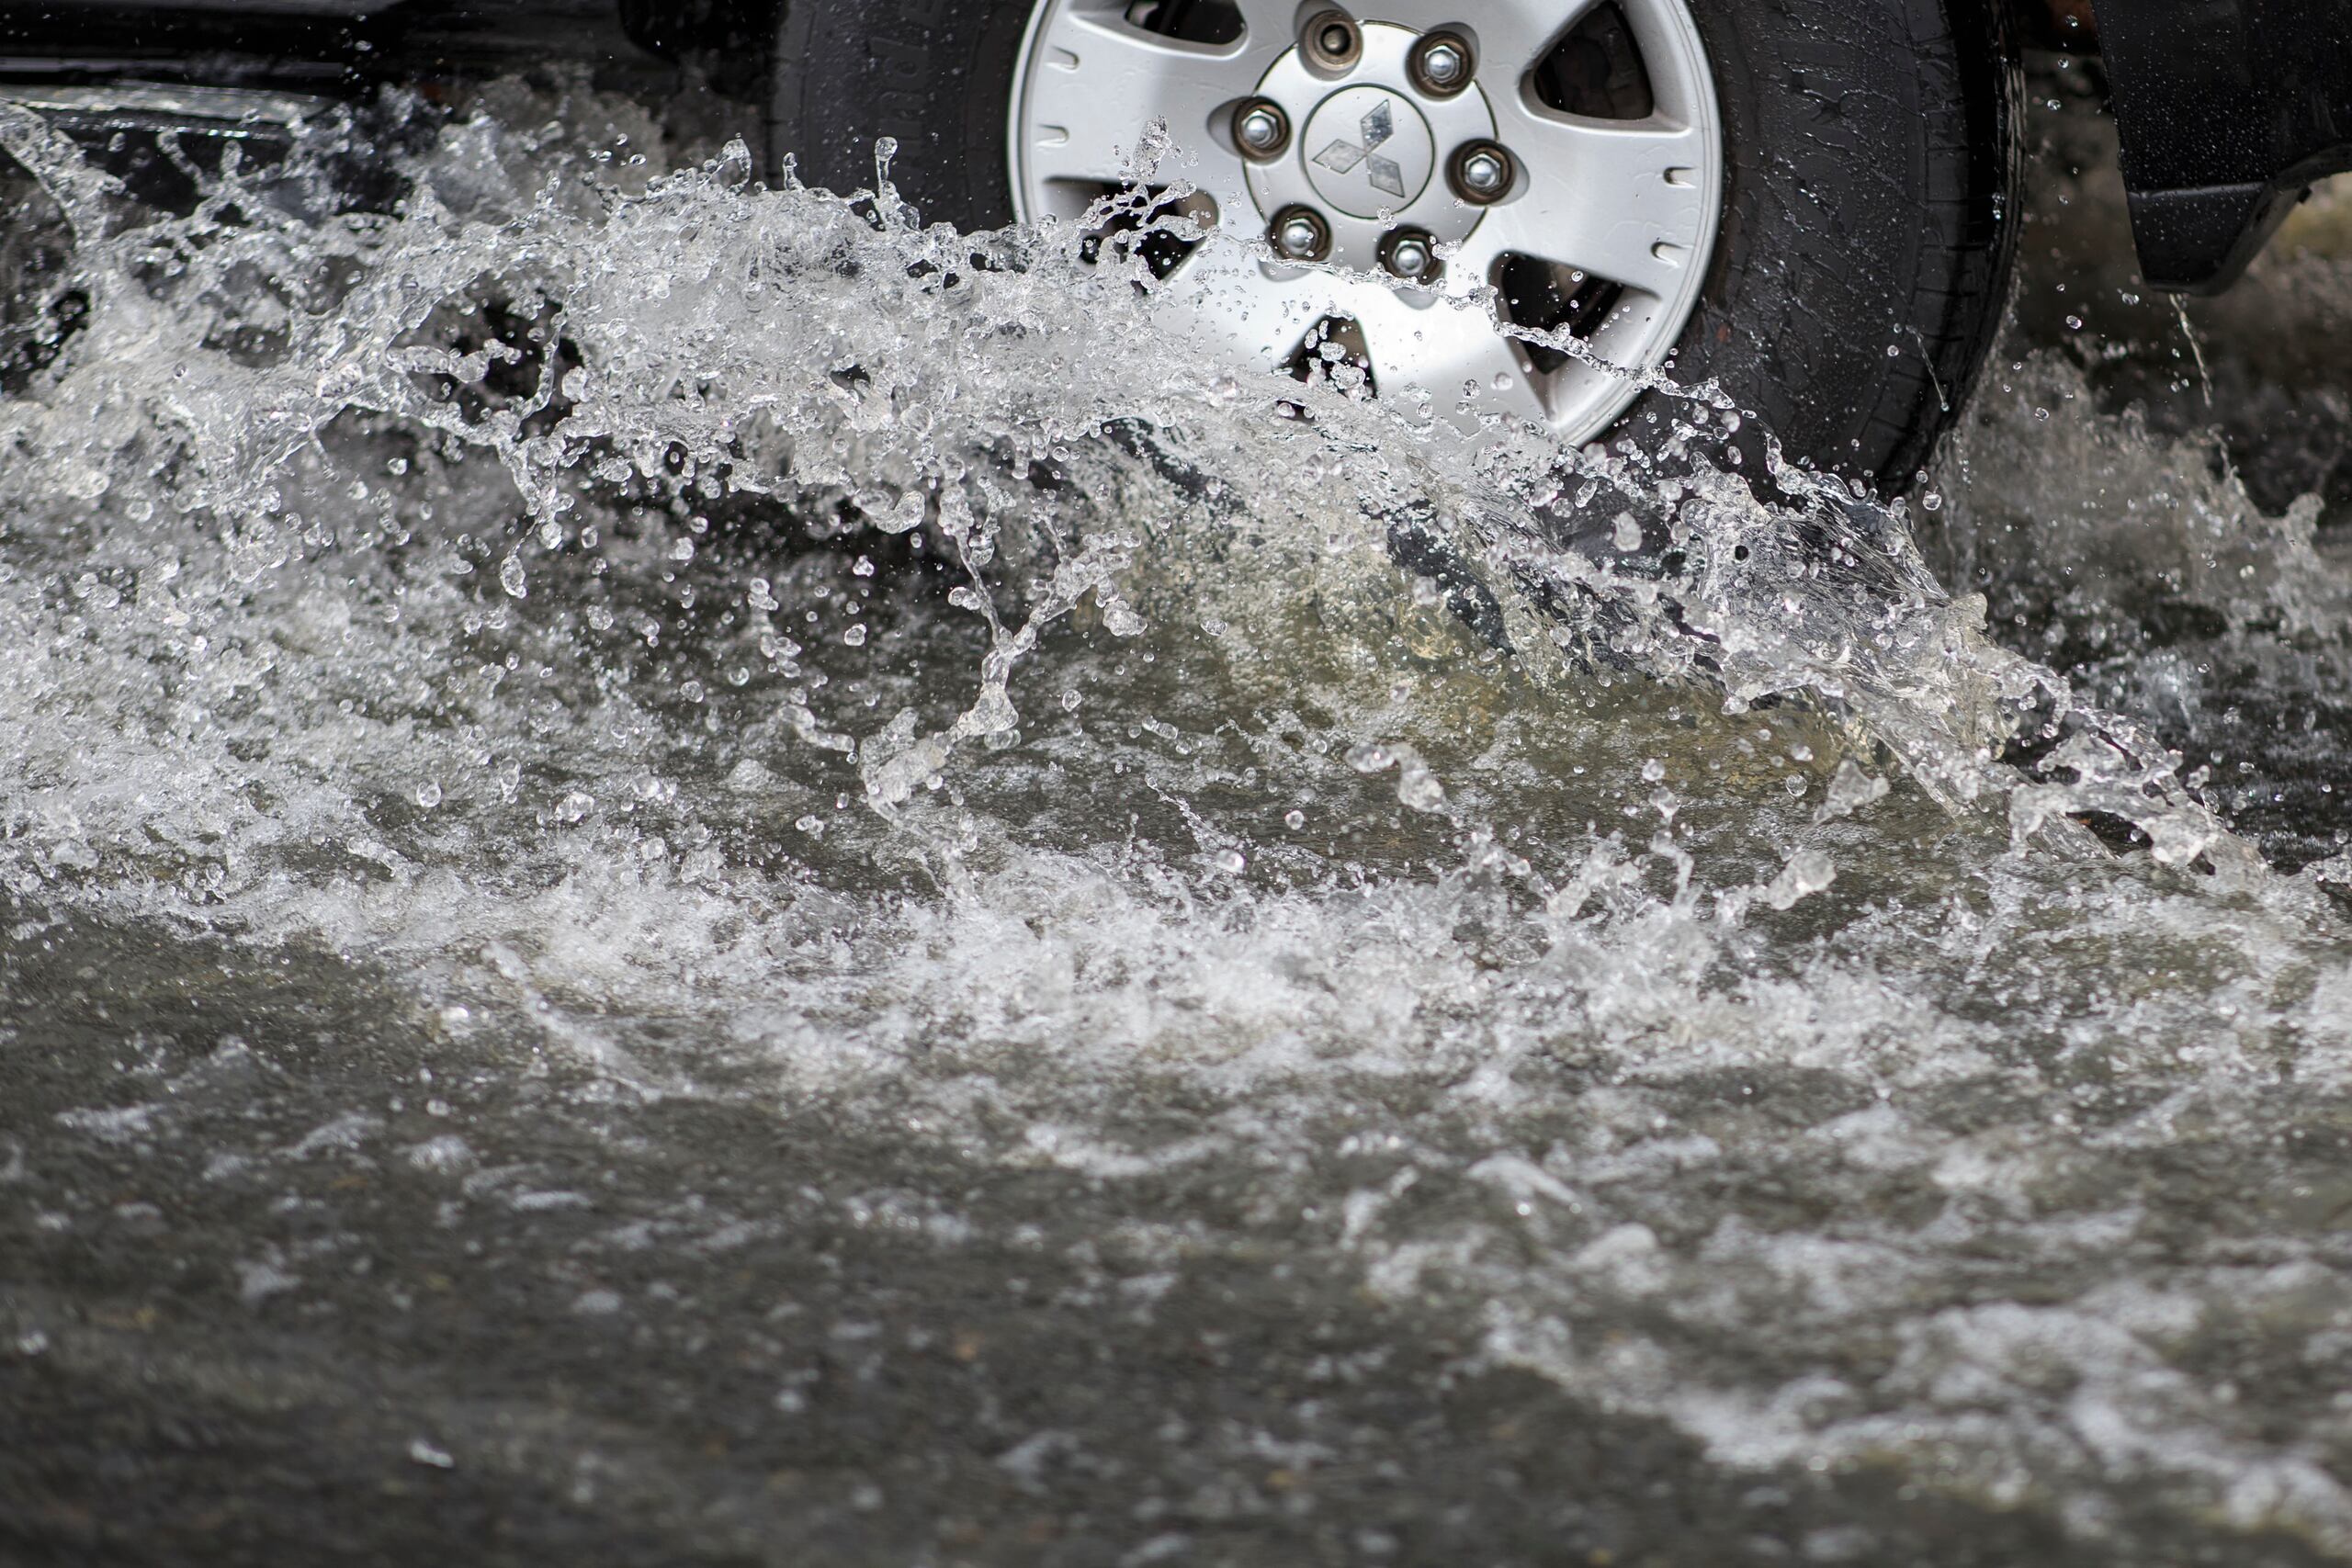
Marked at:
<point>1805,202</point>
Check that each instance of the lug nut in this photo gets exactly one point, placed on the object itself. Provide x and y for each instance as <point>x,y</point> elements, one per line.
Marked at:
<point>1300,233</point>
<point>1411,254</point>
<point>1440,64</point>
<point>1261,129</point>
<point>1481,171</point>
<point>1330,40</point>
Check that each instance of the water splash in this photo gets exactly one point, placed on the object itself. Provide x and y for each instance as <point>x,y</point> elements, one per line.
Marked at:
<point>749,649</point>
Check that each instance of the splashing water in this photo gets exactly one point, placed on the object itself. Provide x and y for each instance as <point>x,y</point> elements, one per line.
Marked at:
<point>727,775</point>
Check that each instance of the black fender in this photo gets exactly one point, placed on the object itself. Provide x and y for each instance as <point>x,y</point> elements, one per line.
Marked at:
<point>2228,112</point>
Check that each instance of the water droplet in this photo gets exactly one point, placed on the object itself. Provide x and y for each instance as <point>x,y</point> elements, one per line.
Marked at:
<point>1294,820</point>
<point>1419,789</point>
<point>854,636</point>
<point>428,794</point>
<point>510,577</point>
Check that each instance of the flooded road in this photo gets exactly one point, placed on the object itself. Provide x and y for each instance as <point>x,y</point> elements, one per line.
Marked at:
<point>688,881</point>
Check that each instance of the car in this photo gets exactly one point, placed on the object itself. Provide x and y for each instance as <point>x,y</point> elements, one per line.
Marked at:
<point>1504,204</point>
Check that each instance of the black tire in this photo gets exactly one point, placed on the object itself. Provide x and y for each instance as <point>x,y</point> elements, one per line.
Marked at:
<point>1871,154</point>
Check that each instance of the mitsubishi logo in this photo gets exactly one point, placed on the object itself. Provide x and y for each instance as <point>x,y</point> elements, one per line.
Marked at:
<point>1376,127</point>
<point>1367,153</point>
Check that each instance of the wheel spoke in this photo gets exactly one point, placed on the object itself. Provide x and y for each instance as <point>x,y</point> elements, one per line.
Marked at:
<point>1237,313</point>
<point>1266,30</point>
<point>1450,351</point>
<point>1099,83</point>
<point>1624,201</point>
<point>1514,34</point>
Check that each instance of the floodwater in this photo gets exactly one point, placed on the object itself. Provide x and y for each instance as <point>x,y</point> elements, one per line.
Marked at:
<point>689,881</point>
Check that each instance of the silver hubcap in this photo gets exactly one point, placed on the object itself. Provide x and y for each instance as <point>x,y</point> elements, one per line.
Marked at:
<point>1417,159</point>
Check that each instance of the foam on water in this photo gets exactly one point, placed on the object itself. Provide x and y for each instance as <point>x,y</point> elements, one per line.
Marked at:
<point>750,646</point>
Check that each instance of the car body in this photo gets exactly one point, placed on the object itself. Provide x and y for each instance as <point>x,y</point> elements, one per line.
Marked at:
<point>2228,110</point>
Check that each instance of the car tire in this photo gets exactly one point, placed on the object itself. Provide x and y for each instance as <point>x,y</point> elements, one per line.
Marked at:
<point>1863,247</point>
